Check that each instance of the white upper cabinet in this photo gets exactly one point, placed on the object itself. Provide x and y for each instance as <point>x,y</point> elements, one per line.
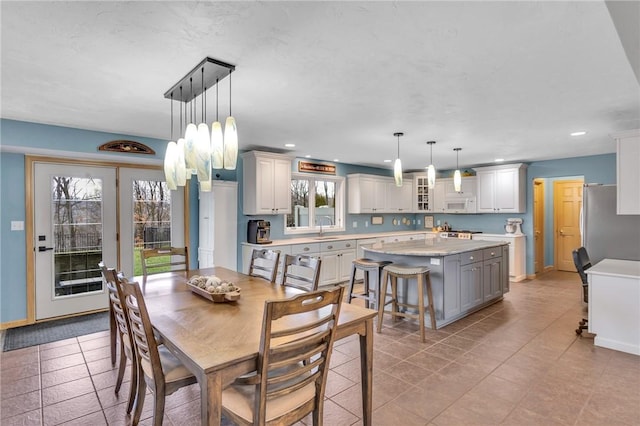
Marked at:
<point>378,194</point>
<point>366,193</point>
<point>628,171</point>
<point>467,187</point>
<point>399,199</point>
<point>501,189</point>
<point>266,183</point>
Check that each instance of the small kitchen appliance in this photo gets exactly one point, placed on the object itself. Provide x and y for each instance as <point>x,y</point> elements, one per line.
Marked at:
<point>461,235</point>
<point>514,226</point>
<point>258,232</point>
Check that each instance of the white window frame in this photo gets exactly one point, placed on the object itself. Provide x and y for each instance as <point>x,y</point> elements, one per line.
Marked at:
<point>339,226</point>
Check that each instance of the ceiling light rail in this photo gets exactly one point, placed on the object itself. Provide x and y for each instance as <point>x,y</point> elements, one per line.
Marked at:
<point>214,70</point>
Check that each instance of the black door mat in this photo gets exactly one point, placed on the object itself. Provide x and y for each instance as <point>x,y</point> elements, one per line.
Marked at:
<point>51,331</point>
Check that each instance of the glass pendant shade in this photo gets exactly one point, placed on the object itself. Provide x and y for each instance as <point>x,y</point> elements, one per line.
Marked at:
<point>190,138</point>
<point>203,153</point>
<point>181,167</point>
<point>230,144</point>
<point>217,146</point>
<point>397,172</point>
<point>431,176</point>
<point>170,161</point>
<point>457,181</point>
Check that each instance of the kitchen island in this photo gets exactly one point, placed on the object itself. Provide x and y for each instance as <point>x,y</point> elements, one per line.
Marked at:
<point>466,275</point>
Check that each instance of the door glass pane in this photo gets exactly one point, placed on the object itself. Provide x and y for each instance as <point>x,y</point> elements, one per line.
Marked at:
<point>325,210</point>
<point>299,216</point>
<point>77,222</point>
<point>151,219</point>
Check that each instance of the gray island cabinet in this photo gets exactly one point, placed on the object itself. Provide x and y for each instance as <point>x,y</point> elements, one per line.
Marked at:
<point>466,275</point>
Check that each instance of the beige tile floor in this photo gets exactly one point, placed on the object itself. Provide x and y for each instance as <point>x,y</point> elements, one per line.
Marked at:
<point>517,362</point>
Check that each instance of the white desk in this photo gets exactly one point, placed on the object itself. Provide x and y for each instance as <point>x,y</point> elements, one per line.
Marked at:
<point>614,304</point>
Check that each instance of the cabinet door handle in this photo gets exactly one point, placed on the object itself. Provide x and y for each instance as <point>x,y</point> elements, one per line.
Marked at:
<point>493,254</point>
<point>329,247</point>
<point>470,257</point>
<point>306,249</point>
<point>348,245</point>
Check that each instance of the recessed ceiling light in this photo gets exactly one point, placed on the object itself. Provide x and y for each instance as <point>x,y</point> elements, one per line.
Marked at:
<point>387,161</point>
<point>499,160</point>
<point>580,133</point>
<point>336,160</point>
<point>307,156</point>
<point>289,145</point>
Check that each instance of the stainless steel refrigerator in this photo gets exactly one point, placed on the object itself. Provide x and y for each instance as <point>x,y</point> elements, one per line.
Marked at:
<point>606,234</point>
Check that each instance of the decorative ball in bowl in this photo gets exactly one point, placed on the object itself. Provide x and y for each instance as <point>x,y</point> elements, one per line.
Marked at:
<point>214,288</point>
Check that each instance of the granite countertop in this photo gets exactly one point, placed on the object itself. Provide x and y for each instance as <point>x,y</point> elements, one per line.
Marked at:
<point>339,237</point>
<point>430,247</point>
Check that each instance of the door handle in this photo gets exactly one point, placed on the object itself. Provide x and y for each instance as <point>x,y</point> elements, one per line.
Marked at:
<point>43,248</point>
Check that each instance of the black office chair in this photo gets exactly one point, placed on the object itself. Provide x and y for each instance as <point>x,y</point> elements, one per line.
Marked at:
<point>582,262</point>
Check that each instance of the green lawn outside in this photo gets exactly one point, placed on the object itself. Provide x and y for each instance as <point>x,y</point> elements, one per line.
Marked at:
<point>137,263</point>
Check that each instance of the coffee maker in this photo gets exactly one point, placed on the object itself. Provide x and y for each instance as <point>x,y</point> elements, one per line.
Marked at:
<point>258,232</point>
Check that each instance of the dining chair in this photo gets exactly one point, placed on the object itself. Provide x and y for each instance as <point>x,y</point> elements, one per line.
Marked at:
<point>156,366</point>
<point>264,264</point>
<point>301,272</point>
<point>173,258</point>
<point>121,320</point>
<point>284,389</point>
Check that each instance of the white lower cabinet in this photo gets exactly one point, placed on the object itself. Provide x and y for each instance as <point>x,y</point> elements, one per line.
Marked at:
<point>336,261</point>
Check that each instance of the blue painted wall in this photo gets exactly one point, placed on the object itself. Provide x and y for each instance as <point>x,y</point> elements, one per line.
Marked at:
<point>13,296</point>
<point>600,169</point>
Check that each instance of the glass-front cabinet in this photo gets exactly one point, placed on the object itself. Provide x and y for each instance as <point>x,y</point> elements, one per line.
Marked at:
<point>423,196</point>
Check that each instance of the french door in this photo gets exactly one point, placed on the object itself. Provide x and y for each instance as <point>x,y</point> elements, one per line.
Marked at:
<point>151,216</point>
<point>75,228</point>
<point>81,217</point>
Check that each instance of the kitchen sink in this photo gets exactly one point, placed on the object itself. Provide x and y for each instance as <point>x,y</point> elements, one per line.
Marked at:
<point>325,238</point>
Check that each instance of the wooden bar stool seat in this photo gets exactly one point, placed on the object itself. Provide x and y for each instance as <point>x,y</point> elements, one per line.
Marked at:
<point>367,266</point>
<point>394,271</point>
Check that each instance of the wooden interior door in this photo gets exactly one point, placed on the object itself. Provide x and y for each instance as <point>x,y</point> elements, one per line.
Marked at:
<point>538,225</point>
<point>567,203</point>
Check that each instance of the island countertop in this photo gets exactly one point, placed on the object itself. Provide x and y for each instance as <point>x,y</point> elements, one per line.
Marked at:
<point>431,247</point>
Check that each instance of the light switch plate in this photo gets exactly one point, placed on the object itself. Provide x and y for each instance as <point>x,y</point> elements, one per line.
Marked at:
<point>17,225</point>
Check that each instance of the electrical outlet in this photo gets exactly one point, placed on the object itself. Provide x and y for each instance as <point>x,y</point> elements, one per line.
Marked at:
<point>355,224</point>
<point>17,225</point>
<point>366,223</point>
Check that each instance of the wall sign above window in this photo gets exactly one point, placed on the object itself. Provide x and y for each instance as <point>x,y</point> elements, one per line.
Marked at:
<point>306,166</point>
<point>126,146</point>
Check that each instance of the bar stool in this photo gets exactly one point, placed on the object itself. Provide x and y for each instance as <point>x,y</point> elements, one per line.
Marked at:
<point>421,274</point>
<point>367,266</point>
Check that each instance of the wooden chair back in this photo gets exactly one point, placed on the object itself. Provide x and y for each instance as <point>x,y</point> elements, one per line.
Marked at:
<point>173,258</point>
<point>115,299</point>
<point>264,264</point>
<point>293,358</point>
<point>302,272</point>
<point>142,334</point>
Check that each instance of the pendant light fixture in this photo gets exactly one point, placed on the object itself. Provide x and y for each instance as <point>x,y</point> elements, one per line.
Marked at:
<point>203,144</point>
<point>397,166</point>
<point>457,177</point>
<point>431,170</point>
<point>217,142</point>
<point>230,138</point>
<point>170,159</point>
<point>200,150</point>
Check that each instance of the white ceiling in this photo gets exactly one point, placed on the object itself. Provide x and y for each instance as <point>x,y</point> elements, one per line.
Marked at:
<point>498,79</point>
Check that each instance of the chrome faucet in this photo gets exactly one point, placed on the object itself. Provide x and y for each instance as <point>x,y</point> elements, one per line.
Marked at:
<point>319,220</point>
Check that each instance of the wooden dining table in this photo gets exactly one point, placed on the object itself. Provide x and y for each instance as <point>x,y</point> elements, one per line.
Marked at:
<point>219,342</point>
